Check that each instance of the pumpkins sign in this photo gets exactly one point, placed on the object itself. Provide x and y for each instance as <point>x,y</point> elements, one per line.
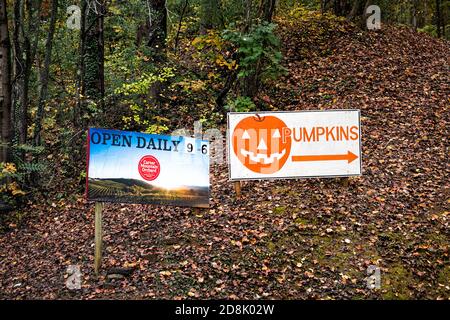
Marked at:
<point>294,144</point>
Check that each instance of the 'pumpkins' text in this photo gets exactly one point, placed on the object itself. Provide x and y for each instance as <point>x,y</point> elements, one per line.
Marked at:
<point>320,134</point>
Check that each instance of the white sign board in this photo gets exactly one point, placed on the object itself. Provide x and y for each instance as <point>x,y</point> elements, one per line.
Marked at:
<point>294,144</point>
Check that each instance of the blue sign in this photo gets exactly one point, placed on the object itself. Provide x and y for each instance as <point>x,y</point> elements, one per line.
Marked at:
<point>134,167</point>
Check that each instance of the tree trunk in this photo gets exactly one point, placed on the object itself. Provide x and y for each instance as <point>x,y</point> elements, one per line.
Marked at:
<point>414,6</point>
<point>25,47</point>
<point>45,73</point>
<point>337,8</point>
<point>5,84</point>
<point>158,28</point>
<point>251,83</point>
<point>358,12</point>
<point>438,18</point>
<point>154,30</point>
<point>324,6</point>
<point>78,110</point>
<point>155,33</point>
<point>357,9</point>
<point>93,81</point>
<point>248,16</point>
<point>177,37</point>
<point>209,15</point>
<point>19,76</point>
<point>267,10</point>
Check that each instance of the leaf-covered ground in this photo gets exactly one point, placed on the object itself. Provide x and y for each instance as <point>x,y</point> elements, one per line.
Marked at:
<point>289,239</point>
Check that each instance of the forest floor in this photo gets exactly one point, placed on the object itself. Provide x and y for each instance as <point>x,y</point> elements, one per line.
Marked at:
<point>289,239</point>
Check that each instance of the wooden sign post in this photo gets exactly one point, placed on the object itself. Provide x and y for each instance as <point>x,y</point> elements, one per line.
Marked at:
<point>98,237</point>
<point>237,188</point>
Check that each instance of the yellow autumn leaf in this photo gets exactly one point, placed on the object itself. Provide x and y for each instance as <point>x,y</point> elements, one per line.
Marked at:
<point>197,40</point>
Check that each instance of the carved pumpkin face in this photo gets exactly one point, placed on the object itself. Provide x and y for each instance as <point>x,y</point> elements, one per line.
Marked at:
<point>258,144</point>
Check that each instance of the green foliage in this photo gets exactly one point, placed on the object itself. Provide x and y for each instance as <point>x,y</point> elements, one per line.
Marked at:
<point>213,54</point>
<point>10,189</point>
<point>28,163</point>
<point>13,179</point>
<point>27,168</point>
<point>142,85</point>
<point>36,150</point>
<point>308,4</point>
<point>210,13</point>
<point>156,128</point>
<point>260,47</point>
<point>430,29</point>
<point>241,104</point>
<point>315,20</point>
<point>142,113</point>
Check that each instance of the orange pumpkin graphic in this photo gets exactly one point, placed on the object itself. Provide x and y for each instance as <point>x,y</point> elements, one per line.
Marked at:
<point>258,144</point>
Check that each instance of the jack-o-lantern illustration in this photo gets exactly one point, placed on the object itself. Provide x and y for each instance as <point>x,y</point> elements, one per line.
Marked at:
<point>258,143</point>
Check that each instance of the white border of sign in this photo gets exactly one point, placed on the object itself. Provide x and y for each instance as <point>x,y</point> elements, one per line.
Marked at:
<point>294,177</point>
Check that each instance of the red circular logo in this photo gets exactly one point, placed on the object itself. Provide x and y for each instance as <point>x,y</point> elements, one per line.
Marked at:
<point>149,168</point>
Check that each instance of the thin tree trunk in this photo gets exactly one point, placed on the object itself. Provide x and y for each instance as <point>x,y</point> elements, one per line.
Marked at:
<point>25,48</point>
<point>186,3</point>
<point>154,30</point>
<point>414,5</point>
<point>158,32</point>
<point>357,9</point>
<point>19,71</point>
<point>248,16</point>
<point>209,11</point>
<point>156,40</point>
<point>438,18</point>
<point>337,7</point>
<point>268,9</point>
<point>93,81</point>
<point>78,111</point>
<point>251,83</point>
<point>45,73</point>
<point>358,12</point>
<point>324,5</point>
<point>220,100</point>
<point>31,39</point>
<point>5,84</point>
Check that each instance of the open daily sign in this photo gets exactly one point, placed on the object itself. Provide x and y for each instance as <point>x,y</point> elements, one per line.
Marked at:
<point>294,144</point>
<point>145,168</point>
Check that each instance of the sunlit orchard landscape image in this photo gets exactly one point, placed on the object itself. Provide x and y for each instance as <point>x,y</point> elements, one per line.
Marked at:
<point>127,190</point>
<point>224,150</point>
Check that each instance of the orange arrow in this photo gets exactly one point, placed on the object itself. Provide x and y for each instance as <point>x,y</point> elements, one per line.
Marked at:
<point>350,157</point>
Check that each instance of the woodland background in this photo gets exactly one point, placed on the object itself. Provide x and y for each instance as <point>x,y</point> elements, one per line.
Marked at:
<point>156,66</point>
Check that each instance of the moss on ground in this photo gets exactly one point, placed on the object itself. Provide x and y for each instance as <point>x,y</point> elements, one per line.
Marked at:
<point>396,282</point>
